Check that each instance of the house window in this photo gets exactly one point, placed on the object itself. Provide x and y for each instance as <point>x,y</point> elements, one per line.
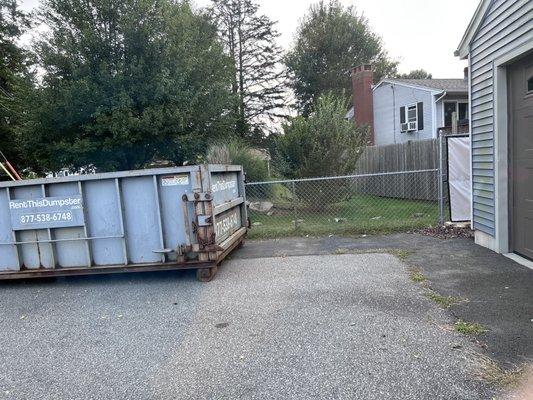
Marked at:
<point>454,106</point>
<point>463,111</point>
<point>412,117</point>
<point>409,118</point>
<point>411,113</point>
<point>530,85</point>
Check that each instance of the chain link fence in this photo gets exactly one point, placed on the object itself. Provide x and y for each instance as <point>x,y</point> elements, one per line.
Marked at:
<point>355,204</point>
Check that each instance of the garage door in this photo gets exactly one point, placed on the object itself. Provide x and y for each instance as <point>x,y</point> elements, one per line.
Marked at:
<point>521,127</point>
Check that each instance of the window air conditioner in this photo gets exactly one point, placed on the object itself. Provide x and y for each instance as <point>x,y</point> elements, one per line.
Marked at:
<point>412,126</point>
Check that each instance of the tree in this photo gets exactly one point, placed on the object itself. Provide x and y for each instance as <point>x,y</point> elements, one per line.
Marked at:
<point>259,84</point>
<point>330,40</point>
<point>416,74</point>
<point>14,78</point>
<point>322,144</point>
<point>125,83</point>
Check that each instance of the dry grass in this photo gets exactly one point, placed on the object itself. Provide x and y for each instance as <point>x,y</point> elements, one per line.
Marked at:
<point>518,379</point>
<point>520,382</point>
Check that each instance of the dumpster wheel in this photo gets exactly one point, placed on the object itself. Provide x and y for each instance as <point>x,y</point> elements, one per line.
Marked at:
<point>206,274</point>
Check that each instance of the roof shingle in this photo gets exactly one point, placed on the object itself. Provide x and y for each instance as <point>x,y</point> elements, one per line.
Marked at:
<point>448,85</point>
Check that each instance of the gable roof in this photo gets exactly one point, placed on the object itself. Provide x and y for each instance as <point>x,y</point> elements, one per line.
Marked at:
<point>464,47</point>
<point>440,85</point>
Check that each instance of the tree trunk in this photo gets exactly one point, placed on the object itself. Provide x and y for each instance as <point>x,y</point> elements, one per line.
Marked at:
<point>242,115</point>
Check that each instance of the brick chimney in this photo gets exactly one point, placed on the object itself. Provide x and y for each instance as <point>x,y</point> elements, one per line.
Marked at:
<point>363,101</point>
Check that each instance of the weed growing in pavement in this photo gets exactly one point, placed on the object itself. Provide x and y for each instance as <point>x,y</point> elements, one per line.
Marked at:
<point>469,328</point>
<point>443,301</point>
<point>416,275</point>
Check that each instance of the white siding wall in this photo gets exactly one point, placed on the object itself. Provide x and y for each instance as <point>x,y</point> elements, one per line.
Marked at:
<point>387,105</point>
<point>507,25</point>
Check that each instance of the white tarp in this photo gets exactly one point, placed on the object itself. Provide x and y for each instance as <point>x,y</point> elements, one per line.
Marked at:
<point>459,178</point>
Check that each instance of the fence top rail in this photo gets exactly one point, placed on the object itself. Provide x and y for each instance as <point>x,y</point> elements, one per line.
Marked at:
<point>325,178</point>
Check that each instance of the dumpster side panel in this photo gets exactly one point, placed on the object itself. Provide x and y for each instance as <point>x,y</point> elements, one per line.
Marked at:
<point>173,213</point>
<point>225,186</point>
<point>69,253</point>
<point>8,252</point>
<point>229,201</point>
<point>33,255</point>
<point>142,222</point>
<point>103,211</point>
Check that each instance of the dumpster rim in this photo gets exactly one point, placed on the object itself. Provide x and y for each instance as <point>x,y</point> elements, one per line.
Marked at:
<point>121,174</point>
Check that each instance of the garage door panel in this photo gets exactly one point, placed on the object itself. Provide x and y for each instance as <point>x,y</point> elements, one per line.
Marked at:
<point>521,129</point>
<point>525,238</point>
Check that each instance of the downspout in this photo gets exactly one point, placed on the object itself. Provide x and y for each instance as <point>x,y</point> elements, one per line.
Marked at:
<point>393,113</point>
<point>471,142</point>
<point>443,94</point>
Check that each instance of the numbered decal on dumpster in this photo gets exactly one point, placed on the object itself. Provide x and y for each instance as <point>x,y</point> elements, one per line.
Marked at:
<point>175,180</point>
<point>227,223</point>
<point>47,212</point>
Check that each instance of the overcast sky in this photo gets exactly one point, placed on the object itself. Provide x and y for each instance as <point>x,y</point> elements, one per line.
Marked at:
<point>418,33</point>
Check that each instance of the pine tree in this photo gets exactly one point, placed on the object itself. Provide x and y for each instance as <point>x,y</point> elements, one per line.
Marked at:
<point>14,79</point>
<point>259,83</point>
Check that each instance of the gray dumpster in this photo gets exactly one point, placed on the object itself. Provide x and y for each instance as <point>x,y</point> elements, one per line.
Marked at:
<point>158,219</point>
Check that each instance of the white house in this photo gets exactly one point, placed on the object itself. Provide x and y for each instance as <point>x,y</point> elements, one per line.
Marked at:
<point>400,110</point>
<point>498,45</point>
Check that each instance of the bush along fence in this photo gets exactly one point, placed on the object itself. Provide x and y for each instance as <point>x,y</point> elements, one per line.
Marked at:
<point>355,204</point>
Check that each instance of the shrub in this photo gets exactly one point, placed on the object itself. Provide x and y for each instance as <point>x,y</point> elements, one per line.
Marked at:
<point>323,144</point>
<point>237,152</point>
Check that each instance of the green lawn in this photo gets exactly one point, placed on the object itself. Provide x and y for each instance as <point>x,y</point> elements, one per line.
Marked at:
<point>362,214</point>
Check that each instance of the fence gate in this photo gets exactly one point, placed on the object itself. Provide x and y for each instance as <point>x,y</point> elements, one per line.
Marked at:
<point>458,172</point>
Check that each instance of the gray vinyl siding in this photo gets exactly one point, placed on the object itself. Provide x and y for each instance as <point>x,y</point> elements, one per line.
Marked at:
<point>507,24</point>
<point>387,129</point>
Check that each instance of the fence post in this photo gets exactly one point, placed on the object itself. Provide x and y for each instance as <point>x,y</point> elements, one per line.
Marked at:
<point>294,205</point>
<point>441,179</point>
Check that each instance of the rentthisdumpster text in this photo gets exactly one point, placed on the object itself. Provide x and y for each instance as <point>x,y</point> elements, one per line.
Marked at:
<point>47,212</point>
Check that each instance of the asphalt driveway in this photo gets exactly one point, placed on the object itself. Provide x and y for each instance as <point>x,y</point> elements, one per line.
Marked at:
<point>498,292</point>
<point>349,326</point>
